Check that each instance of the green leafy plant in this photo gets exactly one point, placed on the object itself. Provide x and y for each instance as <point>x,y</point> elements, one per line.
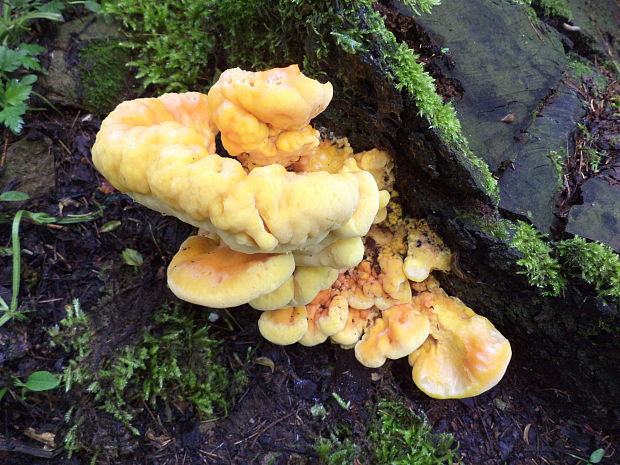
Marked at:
<point>595,457</point>
<point>38,381</point>
<point>17,58</point>
<point>15,91</point>
<point>18,15</point>
<point>132,257</point>
<point>12,311</point>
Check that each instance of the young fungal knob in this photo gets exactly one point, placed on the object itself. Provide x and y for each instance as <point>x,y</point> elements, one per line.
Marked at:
<point>325,320</point>
<point>425,252</point>
<point>400,330</point>
<point>284,326</point>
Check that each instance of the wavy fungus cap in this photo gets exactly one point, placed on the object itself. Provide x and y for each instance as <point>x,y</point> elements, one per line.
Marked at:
<point>204,273</point>
<point>463,357</point>
<point>161,151</point>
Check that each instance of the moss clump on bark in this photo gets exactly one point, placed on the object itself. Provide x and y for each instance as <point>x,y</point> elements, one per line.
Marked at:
<point>104,75</point>
<point>548,265</point>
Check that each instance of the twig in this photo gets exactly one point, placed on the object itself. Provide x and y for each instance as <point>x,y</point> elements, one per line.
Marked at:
<point>13,446</point>
<point>268,427</point>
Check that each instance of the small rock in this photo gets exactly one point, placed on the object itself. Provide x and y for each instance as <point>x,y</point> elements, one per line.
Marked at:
<point>509,118</point>
<point>599,217</point>
<point>31,164</point>
<point>306,388</point>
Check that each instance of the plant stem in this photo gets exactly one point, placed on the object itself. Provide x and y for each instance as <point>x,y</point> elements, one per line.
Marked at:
<point>16,259</point>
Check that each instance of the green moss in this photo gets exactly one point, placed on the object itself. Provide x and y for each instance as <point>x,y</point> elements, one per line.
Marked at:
<point>104,75</point>
<point>558,159</point>
<point>548,265</point>
<point>498,228</point>
<point>338,449</point>
<point>176,359</point>
<point>396,436</point>
<point>581,68</point>
<point>555,8</point>
<point>421,6</point>
<point>595,263</point>
<point>548,7</point>
<point>171,40</point>
<point>538,261</point>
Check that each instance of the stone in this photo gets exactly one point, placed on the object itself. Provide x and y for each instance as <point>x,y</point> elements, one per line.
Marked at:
<point>505,64</point>
<point>599,27</point>
<point>530,185</point>
<point>72,77</point>
<point>598,218</point>
<point>30,167</point>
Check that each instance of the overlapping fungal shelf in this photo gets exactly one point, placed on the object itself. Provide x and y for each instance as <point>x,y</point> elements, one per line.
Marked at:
<point>298,226</point>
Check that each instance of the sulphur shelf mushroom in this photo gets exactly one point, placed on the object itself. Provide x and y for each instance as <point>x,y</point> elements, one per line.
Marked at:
<point>299,226</point>
<point>463,356</point>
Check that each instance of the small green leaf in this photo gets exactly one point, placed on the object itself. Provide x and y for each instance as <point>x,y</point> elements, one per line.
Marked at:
<point>31,49</point>
<point>132,257</point>
<point>92,6</point>
<point>16,92</point>
<point>13,196</point>
<point>3,392</point>
<point>10,59</point>
<point>28,80</point>
<point>41,381</point>
<point>110,226</point>
<point>597,455</point>
<point>11,117</point>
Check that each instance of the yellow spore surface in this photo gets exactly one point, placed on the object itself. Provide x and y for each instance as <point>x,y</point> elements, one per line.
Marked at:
<point>465,354</point>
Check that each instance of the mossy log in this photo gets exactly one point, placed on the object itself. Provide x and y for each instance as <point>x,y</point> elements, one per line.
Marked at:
<point>568,344</point>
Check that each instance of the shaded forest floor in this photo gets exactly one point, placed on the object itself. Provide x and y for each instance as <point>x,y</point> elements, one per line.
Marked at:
<point>269,416</point>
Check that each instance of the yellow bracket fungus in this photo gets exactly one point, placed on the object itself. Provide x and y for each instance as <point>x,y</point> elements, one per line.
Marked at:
<point>302,228</point>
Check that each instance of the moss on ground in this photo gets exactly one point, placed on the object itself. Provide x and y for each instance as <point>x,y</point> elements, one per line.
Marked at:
<point>175,360</point>
<point>104,75</point>
<point>396,436</point>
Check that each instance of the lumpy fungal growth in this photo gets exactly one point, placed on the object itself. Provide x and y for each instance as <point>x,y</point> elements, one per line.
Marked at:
<point>301,228</point>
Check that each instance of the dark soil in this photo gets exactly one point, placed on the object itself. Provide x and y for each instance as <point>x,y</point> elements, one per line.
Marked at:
<point>271,421</point>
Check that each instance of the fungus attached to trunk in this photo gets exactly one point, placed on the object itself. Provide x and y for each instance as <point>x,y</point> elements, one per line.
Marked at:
<point>298,226</point>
